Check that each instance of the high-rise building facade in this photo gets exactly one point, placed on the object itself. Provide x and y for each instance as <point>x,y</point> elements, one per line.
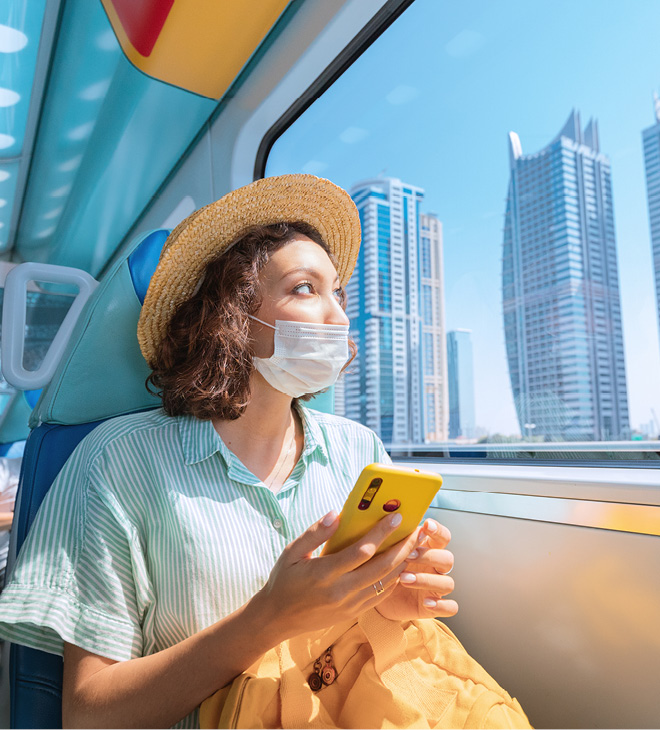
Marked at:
<point>397,383</point>
<point>434,349</point>
<point>460,371</point>
<point>560,290</point>
<point>651,138</point>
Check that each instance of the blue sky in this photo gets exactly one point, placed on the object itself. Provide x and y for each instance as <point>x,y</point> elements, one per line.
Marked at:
<point>432,101</point>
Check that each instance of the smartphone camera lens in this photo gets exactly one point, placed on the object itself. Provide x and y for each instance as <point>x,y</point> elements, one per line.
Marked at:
<point>368,496</point>
<point>392,506</point>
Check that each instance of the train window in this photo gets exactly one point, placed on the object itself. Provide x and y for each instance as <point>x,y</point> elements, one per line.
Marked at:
<point>45,312</point>
<point>504,158</point>
<point>46,308</point>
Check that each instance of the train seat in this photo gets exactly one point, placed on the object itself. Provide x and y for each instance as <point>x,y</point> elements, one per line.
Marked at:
<point>101,375</point>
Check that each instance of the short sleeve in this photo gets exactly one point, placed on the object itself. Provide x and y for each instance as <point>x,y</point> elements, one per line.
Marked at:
<point>80,576</point>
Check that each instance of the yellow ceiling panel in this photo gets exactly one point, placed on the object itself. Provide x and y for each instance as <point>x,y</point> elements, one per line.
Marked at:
<point>198,45</point>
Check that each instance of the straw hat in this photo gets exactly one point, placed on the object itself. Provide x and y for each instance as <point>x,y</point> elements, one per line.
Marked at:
<point>211,230</point>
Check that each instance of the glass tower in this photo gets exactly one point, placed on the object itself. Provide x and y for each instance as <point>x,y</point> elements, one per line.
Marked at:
<point>461,384</point>
<point>397,383</point>
<point>434,350</point>
<point>651,137</point>
<point>560,290</point>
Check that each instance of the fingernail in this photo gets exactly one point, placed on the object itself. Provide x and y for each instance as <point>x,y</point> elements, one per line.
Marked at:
<point>430,603</point>
<point>414,554</point>
<point>431,526</point>
<point>395,520</point>
<point>329,518</point>
<point>407,577</point>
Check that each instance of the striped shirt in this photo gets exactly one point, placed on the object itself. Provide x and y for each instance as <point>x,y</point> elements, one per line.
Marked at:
<point>154,530</point>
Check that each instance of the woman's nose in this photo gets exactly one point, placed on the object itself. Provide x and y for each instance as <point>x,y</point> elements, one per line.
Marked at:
<point>336,313</point>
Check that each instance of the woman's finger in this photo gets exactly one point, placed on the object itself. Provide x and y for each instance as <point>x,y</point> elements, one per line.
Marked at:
<point>440,584</point>
<point>439,608</point>
<point>364,549</point>
<point>437,535</point>
<point>392,561</point>
<point>441,561</point>
<point>373,598</point>
<point>314,536</point>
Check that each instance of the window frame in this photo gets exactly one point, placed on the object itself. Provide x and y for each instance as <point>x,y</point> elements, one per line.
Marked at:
<point>378,24</point>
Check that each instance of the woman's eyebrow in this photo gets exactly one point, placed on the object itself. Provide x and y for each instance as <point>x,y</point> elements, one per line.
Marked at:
<point>306,270</point>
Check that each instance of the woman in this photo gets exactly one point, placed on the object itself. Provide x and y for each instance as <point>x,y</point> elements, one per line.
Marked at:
<point>188,551</point>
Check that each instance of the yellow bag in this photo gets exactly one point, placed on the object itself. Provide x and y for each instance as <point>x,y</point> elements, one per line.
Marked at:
<point>389,675</point>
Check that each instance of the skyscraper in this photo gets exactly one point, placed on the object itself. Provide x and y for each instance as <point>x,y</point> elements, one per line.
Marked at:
<point>434,365</point>
<point>460,371</point>
<point>560,290</point>
<point>397,383</point>
<point>651,137</point>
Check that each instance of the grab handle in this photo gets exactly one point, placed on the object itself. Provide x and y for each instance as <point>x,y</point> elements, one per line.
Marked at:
<point>12,346</point>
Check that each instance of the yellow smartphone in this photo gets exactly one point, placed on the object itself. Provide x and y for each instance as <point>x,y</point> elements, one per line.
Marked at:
<point>381,489</point>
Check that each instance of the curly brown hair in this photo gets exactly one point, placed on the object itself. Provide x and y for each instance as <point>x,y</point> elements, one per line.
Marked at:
<point>204,362</point>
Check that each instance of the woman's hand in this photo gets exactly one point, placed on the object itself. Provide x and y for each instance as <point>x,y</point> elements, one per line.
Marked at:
<point>424,583</point>
<point>306,593</point>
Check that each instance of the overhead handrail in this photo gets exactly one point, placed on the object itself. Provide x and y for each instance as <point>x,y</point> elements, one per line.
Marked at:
<point>12,347</point>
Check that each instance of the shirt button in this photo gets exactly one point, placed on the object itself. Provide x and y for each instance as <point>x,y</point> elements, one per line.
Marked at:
<point>277,524</point>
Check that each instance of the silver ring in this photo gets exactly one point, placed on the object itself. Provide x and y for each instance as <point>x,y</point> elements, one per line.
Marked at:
<point>378,587</point>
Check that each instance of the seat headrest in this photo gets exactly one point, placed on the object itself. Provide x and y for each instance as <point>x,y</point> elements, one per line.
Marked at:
<point>144,259</point>
<point>102,372</point>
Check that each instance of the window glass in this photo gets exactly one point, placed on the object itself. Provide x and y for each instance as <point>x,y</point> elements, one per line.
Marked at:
<point>44,314</point>
<point>505,164</point>
<point>45,310</point>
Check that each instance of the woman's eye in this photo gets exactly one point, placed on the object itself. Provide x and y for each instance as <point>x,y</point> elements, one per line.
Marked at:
<point>302,287</point>
<point>339,293</point>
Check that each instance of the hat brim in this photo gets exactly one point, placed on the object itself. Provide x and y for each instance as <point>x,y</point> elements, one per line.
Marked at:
<point>208,232</point>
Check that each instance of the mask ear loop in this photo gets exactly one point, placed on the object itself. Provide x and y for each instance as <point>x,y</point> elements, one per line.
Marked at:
<point>256,319</point>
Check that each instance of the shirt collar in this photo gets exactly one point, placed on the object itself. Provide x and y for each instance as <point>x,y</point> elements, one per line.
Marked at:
<point>200,440</point>
<point>314,438</point>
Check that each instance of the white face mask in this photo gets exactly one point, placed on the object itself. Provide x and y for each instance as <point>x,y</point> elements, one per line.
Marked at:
<point>308,357</point>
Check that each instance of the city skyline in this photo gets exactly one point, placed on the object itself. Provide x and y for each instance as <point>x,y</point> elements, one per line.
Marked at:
<point>432,101</point>
<point>575,233</point>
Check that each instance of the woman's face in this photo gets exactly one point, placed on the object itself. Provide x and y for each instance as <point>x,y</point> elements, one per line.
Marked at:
<point>299,284</point>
